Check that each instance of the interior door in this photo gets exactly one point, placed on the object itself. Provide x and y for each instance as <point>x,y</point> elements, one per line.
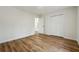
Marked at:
<point>41,25</point>
<point>56,25</point>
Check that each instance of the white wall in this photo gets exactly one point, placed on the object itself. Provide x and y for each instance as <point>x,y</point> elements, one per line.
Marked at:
<point>68,20</point>
<point>70,23</point>
<point>15,23</point>
<point>78,24</point>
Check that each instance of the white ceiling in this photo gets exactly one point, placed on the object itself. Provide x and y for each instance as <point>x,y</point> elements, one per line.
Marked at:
<point>40,10</point>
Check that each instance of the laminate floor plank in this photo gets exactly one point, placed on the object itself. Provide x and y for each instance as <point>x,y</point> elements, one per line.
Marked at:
<point>40,43</point>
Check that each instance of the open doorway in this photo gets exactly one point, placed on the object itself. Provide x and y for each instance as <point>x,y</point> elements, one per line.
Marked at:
<point>39,25</point>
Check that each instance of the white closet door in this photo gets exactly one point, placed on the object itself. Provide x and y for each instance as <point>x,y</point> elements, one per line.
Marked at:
<point>56,25</point>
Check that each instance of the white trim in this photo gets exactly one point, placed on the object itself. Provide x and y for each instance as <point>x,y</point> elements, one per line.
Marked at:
<point>78,41</point>
<point>15,38</point>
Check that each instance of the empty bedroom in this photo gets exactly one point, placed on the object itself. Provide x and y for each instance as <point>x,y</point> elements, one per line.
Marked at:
<point>39,29</point>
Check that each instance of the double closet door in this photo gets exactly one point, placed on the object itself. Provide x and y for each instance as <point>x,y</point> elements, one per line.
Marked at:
<point>56,25</point>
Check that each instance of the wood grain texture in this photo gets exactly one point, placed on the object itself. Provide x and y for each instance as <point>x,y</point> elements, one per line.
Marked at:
<point>40,43</point>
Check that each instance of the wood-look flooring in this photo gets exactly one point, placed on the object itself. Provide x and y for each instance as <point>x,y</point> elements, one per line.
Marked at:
<point>40,43</point>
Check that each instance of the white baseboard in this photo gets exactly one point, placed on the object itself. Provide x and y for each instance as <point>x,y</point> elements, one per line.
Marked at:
<point>78,42</point>
<point>15,38</point>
